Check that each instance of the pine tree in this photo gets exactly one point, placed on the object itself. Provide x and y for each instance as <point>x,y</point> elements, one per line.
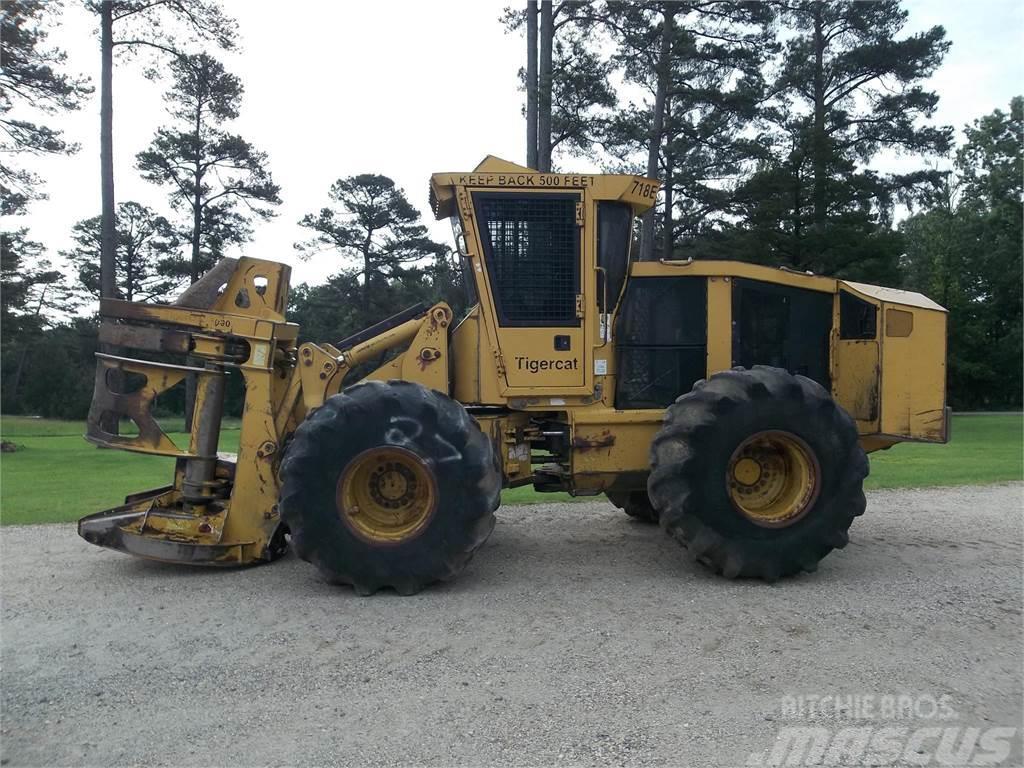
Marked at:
<point>566,80</point>
<point>208,170</point>
<point>33,85</point>
<point>377,233</point>
<point>848,87</point>
<point>698,68</point>
<point>165,27</point>
<point>32,81</point>
<point>148,266</point>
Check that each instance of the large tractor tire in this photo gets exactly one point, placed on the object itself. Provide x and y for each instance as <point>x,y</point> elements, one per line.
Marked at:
<point>635,504</point>
<point>389,485</point>
<point>758,473</point>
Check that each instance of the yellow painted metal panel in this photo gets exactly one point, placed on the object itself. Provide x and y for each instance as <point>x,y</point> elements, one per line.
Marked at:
<point>719,324</point>
<point>855,382</point>
<point>476,377</point>
<point>638,191</point>
<point>465,351</point>
<point>712,267</point>
<point>914,378</point>
<point>894,296</point>
<point>532,362</point>
<point>607,442</point>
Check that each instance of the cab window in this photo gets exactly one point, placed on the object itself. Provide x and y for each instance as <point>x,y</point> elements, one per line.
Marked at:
<point>531,250</point>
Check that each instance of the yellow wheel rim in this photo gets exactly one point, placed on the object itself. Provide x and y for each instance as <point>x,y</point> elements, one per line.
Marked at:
<point>773,478</point>
<point>386,495</point>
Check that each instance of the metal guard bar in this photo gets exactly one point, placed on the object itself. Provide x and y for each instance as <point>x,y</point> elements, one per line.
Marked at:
<point>136,405</point>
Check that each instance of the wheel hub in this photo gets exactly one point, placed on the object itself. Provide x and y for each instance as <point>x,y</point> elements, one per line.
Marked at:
<point>747,471</point>
<point>773,478</point>
<point>386,495</point>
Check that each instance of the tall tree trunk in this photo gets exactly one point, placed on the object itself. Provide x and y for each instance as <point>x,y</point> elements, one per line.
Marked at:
<point>531,83</point>
<point>191,382</point>
<point>657,125</point>
<point>798,230</point>
<point>197,197</point>
<point>108,241</point>
<point>368,270</point>
<point>818,148</point>
<point>129,274</point>
<point>547,38</point>
<point>197,228</point>
<point>108,222</point>
<point>667,224</point>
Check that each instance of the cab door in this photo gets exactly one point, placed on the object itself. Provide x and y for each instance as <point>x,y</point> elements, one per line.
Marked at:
<point>533,273</point>
<point>856,366</point>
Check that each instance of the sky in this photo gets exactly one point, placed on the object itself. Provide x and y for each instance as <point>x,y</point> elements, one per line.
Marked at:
<point>337,87</point>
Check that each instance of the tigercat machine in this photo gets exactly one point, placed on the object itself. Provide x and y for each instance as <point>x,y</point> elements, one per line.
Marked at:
<point>733,403</point>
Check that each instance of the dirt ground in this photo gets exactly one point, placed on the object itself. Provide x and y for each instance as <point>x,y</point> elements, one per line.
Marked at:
<point>577,636</point>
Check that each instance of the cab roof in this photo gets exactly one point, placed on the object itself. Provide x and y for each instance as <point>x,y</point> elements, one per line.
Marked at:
<point>493,173</point>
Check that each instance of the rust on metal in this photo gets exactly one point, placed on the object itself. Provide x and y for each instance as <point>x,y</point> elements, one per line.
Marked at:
<point>603,439</point>
<point>143,337</point>
<point>137,405</point>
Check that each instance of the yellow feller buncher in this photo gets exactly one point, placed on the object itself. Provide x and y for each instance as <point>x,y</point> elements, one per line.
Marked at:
<point>733,403</point>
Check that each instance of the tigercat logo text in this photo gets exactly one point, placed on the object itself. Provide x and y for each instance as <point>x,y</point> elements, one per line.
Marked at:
<point>535,366</point>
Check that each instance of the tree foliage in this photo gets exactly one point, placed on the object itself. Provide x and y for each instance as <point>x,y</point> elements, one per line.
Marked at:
<point>699,68</point>
<point>148,263</point>
<point>387,261</point>
<point>847,87</point>
<point>377,235</point>
<point>168,27</point>
<point>691,83</point>
<point>576,92</point>
<point>333,310</point>
<point>216,179</point>
<point>965,251</point>
<point>32,82</point>
<point>32,291</point>
<point>31,286</point>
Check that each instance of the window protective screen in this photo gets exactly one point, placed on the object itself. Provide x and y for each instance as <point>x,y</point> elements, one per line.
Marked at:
<point>782,326</point>
<point>661,338</point>
<point>531,248</point>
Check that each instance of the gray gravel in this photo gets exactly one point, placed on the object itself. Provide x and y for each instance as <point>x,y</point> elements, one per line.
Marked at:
<point>576,636</point>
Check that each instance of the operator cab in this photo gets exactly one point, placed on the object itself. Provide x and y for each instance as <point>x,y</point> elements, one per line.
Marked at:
<point>545,257</point>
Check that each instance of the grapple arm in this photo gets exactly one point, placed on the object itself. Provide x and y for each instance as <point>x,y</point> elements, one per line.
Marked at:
<point>222,510</point>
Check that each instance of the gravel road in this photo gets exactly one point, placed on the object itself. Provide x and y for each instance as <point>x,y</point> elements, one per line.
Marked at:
<point>577,636</point>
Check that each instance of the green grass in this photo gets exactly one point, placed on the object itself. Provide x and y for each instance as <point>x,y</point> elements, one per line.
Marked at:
<point>56,476</point>
<point>985,448</point>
